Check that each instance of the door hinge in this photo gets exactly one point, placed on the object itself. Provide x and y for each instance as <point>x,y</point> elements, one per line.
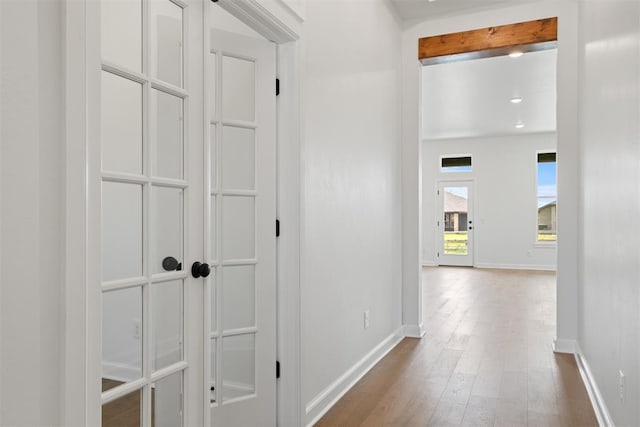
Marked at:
<point>438,223</point>
<point>438,254</point>
<point>277,87</point>
<point>277,369</point>
<point>277,228</point>
<point>438,192</point>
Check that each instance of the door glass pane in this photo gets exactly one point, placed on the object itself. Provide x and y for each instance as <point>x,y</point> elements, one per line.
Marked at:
<point>167,237</point>
<point>212,85</point>
<point>121,124</point>
<point>166,323</point>
<point>121,336</point>
<point>212,281</point>
<point>455,220</point>
<point>167,401</point>
<point>121,231</point>
<point>238,90</point>
<point>212,380</point>
<point>124,411</point>
<point>167,140</point>
<point>166,41</point>
<point>238,155</point>
<point>213,230</point>
<point>238,310</point>
<point>238,366</point>
<point>121,23</point>
<point>238,224</point>
<point>213,158</point>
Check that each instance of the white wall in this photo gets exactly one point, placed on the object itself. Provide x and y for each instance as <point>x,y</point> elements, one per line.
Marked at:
<point>609,303</point>
<point>32,214</point>
<point>567,126</point>
<point>505,214</point>
<point>351,191</point>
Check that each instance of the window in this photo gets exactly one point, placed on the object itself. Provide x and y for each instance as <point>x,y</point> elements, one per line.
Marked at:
<point>547,192</point>
<point>456,163</point>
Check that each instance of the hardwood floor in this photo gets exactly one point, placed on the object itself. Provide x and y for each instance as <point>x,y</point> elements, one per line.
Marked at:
<point>486,360</point>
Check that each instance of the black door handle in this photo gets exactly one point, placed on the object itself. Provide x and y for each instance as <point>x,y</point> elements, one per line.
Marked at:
<point>199,269</point>
<point>171,264</point>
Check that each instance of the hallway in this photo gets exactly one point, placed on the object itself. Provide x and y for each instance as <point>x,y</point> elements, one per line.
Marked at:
<point>486,359</point>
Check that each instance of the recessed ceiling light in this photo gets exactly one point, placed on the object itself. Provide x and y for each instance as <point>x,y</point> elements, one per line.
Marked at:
<point>516,54</point>
<point>431,1</point>
<point>519,125</point>
<point>516,100</point>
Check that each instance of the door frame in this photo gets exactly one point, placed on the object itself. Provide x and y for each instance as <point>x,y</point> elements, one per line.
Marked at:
<point>440,239</point>
<point>82,304</point>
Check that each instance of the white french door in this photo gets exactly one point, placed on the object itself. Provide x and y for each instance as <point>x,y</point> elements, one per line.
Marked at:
<point>240,328</point>
<point>186,284</point>
<point>454,226</point>
<point>150,209</point>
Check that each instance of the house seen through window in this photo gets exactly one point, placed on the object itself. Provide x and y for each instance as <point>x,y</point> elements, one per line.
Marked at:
<point>547,197</point>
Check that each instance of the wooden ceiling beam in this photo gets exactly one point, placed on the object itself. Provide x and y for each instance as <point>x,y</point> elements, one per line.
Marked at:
<point>501,39</point>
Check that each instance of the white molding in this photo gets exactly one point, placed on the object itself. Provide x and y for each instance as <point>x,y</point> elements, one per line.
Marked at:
<point>597,401</point>
<point>262,20</point>
<point>289,402</point>
<point>120,371</point>
<point>561,345</point>
<point>414,331</point>
<point>322,402</point>
<point>516,266</point>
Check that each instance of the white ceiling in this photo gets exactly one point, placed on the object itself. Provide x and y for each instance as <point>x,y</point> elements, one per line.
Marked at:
<point>471,98</point>
<point>424,9</point>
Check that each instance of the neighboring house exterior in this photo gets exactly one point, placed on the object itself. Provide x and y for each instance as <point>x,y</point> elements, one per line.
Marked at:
<point>455,212</point>
<point>547,217</point>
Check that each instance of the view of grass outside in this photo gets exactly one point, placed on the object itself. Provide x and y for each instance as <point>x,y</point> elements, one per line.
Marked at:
<point>546,237</point>
<point>455,242</point>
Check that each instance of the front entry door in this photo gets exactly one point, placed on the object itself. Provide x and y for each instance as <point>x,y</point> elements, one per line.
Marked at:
<point>454,227</point>
<point>240,328</point>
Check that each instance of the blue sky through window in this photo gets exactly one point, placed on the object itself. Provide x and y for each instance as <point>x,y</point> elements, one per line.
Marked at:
<point>547,186</point>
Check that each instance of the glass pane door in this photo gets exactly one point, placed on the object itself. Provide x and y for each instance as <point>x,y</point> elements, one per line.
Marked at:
<point>143,205</point>
<point>241,315</point>
<point>455,223</point>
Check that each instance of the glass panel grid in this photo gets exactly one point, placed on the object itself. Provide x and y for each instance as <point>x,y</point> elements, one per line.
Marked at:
<point>138,72</point>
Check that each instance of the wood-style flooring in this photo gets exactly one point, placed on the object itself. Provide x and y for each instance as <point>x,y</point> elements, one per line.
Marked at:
<point>486,360</point>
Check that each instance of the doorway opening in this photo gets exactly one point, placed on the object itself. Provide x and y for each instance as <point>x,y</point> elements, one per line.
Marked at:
<point>497,104</point>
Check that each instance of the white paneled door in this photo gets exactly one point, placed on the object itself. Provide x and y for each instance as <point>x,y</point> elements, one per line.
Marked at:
<point>240,334</point>
<point>186,214</point>
<point>454,226</point>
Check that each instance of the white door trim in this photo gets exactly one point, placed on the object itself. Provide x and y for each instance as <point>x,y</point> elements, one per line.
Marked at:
<point>80,408</point>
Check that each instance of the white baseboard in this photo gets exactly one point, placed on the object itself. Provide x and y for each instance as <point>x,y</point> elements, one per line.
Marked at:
<point>563,346</point>
<point>414,331</point>
<point>429,263</point>
<point>119,371</point>
<point>599,406</point>
<point>321,403</point>
<point>517,266</point>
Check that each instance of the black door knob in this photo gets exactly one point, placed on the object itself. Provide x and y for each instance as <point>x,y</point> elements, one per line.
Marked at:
<point>171,264</point>
<point>199,269</point>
